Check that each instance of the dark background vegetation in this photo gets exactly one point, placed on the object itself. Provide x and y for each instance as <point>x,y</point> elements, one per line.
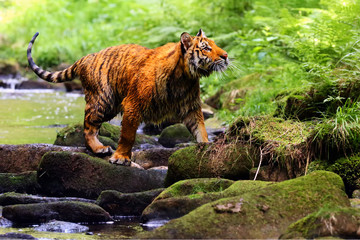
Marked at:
<point>279,48</point>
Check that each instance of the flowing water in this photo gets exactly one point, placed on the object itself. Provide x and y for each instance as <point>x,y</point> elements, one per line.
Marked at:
<point>35,116</point>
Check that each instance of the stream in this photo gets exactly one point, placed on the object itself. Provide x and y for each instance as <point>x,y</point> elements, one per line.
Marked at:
<point>35,116</point>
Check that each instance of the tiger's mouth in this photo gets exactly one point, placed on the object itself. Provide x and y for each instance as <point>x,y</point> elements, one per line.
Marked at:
<point>219,65</point>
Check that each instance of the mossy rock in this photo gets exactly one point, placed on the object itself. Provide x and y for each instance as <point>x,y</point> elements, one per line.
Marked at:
<point>231,161</point>
<point>80,175</point>
<point>327,222</point>
<point>25,182</point>
<point>73,135</point>
<point>347,168</point>
<point>264,213</point>
<point>126,204</point>
<point>109,134</point>
<point>175,134</point>
<point>282,143</point>
<point>187,195</point>
<point>195,186</point>
<point>70,211</point>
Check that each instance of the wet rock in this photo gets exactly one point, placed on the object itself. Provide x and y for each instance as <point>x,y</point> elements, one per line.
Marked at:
<point>153,157</point>
<point>5,223</point>
<point>12,198</point>
<point>61,226</point>
<point>22,158</point>
<point>12,235</point>
<point>25,182</point>
<point>64,211</point>
<point>207,111</point>
<point>336,222</point>
<point>262,213</point>
<point>126,204</point>
<point>231,161</point>
<point>80,175</point>
<point>175,134</point>
<point>156,129</point>
<point>356,193</point>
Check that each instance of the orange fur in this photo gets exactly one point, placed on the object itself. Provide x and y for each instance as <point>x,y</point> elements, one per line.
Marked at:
<point>151,85</point>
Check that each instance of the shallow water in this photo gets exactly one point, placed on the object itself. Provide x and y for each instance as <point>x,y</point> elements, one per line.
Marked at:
<point>35,116</point>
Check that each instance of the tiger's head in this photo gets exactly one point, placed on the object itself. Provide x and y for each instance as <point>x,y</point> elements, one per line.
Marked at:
<point>202,55</point>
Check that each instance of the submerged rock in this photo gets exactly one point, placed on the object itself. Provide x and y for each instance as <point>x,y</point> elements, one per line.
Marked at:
<point>61,226</point>
<point>26,157</point>
<point>126,204</point>
<point>80,175</point>
<point>25,182</point>
<point>262,213</point>
<point>65,211</point>
<point>13,235</point>
<point>328,222</point>
<point>175,134</point>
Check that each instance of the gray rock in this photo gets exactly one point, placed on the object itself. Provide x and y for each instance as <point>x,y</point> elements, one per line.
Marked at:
<point>12,198</point>
<point>65,211</point>
<point>154,157</point>
<point>80,175</point>
<point>12,235</point>
<point>22,158</point>
<point>61,226</point>
<point>126,204</point>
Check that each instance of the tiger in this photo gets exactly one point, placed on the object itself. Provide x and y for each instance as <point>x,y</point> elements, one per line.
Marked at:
<point>143,85</point>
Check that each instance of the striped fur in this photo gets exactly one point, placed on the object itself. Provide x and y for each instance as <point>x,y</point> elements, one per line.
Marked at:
<point>150,85</point>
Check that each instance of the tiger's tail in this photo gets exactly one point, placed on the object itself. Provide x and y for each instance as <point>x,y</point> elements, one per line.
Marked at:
<point>67,74</point>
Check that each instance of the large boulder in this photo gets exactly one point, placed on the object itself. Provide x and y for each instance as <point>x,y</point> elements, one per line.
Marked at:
<point>25,182</point>
<point>263,213</point>
<point>80,175</point>
<point>65,211</point>
<point>231,161</point>
<point>126,204</point>
<point>26,157</point>
<point>183,197</point>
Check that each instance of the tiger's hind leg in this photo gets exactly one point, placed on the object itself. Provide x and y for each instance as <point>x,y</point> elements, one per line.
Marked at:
<point>95,115</point>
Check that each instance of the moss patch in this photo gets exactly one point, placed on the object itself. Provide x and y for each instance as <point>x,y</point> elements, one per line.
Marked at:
<point>327,222</point>
<point>232,161</point>
<point>264,213</point>
<point>195,186</point>
<point>19,182</point>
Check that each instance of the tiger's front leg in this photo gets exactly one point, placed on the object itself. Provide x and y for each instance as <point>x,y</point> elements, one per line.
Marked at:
<point>194,122</point>
<point>129,125</point>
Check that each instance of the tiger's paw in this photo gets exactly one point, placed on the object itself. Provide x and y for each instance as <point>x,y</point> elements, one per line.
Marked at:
<point>120,160</point>
<point>104,151</point>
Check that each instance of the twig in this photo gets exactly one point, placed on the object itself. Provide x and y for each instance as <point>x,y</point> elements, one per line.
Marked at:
<point>261,157</point>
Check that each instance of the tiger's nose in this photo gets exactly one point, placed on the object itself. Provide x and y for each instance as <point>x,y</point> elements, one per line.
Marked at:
<point>224,56</point>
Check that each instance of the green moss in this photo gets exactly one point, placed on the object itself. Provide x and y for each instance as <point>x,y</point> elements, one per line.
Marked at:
<point>19,182</point>
<point>195,187</point>
<point>231,161</point>
<point>343,220</point>
<point>263,213</point>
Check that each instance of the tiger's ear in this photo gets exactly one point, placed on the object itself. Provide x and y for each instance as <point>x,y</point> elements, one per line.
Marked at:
<point>201,34</point>
<point>186,40</point>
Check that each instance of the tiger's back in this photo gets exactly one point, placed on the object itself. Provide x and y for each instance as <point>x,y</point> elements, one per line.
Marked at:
<point>143,84</point>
